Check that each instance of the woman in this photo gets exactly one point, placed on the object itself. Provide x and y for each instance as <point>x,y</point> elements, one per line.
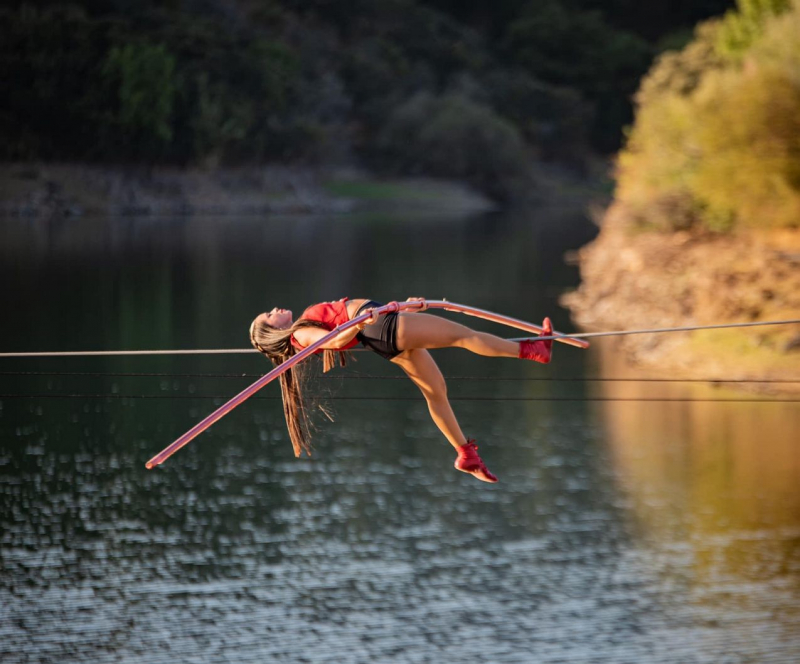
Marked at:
<point>402,338</point>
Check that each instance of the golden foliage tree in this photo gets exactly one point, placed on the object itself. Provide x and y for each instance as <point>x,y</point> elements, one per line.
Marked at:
<point>716,142</point>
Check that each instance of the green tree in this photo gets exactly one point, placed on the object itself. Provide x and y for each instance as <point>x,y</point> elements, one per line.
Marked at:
<point>453,136</point>
<point>48,68</point>
<point>581,50</point>
<point>742,26</point>
<point>143,76</point>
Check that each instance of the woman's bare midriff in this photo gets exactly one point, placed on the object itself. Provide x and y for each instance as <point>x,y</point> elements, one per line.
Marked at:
<point>353,306</point>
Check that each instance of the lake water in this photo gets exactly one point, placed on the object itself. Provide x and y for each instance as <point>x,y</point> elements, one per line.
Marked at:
<point>621,531</point>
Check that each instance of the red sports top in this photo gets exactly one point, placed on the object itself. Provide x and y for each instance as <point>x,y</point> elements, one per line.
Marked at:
<point>330,314</point>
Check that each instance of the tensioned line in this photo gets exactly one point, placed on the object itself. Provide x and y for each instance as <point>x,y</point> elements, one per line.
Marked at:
<point>100,353</point>
<point>194,397</point>
<point>688,328</point>
<point>231,351</point>
<point>356,376</point>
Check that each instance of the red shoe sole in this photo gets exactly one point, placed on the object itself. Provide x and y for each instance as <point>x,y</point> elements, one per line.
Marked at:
<point>478,475</point>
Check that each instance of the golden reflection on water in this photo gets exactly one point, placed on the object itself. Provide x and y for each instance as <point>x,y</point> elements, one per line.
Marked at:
<point>724,477</point>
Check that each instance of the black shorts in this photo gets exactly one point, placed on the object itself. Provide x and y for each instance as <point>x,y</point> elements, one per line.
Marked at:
<point>380,337</point>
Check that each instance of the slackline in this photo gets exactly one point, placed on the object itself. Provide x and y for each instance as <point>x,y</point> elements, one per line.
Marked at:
<point>232,351</point>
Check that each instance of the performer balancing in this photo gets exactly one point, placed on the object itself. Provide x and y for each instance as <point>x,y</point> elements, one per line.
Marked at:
<point>402,338</point>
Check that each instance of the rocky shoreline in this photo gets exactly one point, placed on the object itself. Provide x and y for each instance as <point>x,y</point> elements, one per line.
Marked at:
<point>77,190</point>
<point>647,280</point>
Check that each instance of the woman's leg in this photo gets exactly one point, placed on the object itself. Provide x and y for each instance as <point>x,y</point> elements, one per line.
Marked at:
<point>427,376</point>
<point>426,331</point>
<point>421,369</point>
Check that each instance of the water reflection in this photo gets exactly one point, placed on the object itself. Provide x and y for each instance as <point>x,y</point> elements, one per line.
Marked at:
<point>713,487</point>
<point>619,532</point>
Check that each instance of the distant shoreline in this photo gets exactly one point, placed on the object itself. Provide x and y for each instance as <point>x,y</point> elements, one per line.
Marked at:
<point>77,190</point>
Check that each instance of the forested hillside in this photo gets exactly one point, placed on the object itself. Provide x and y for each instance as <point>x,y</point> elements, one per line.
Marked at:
<point>467,90</point>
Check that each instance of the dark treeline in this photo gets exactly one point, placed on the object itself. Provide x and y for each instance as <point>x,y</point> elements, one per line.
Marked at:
<point>470,90</point>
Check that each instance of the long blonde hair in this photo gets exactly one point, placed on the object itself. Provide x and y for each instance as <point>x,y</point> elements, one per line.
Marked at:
<point>277,346</point>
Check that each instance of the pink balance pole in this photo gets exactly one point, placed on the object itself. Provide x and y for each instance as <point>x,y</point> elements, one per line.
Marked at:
<point>504,320</point>
<point>306,352</point>
<point>267,378</point>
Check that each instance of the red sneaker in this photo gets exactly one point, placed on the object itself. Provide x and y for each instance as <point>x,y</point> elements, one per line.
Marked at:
<point>468,461</point>
<point>536,350</point>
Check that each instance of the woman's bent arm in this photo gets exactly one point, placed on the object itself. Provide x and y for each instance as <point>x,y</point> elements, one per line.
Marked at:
<point>309,335</point>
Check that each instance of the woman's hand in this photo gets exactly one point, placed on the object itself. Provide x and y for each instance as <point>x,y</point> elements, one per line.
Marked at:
<point>419,299</point>
<point>369,321</point>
